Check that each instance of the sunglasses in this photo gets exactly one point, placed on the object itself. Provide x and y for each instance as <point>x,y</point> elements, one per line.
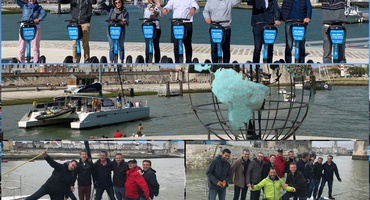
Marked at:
<point>118,2</point>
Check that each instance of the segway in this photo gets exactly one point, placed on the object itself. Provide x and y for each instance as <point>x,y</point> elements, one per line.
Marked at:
<point>337,35</point>
<point>217,33</point>
<point>115,30</point>
<point>298,32</point>
<point>149,29</point>
<point>28,33</point>
<point>179,33</point>
<point>75,33</point>
<point>269,33</point>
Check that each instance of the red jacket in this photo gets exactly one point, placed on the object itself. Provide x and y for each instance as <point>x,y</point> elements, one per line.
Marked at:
<point>280,165</point>
<point>117,135</point>
<point>133,181</point>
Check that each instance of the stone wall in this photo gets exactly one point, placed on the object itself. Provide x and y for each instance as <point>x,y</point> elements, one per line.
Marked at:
<point>199,155</point>
<point>360,149</point>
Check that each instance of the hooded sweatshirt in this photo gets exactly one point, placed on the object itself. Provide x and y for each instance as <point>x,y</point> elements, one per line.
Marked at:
<point>218,169</point>
<point>134,181</point>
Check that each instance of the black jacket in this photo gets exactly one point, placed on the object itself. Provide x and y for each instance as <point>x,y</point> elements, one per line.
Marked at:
<point>84,173</point>
<point>301,166</point>
<point>81,10</point>
<point>60,180</point>
<point>103,174</point>
<point>266,169</point>
<point>288,161</point>
<point>329,171</point>
<point>218,170</point>
<point>119,176</point>
<point>262,14</point>
<point>317,171</point>
<point>297,181</point>
<point>151,180</point>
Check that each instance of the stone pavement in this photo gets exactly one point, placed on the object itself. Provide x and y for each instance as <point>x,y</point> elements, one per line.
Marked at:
<point>56,51</point>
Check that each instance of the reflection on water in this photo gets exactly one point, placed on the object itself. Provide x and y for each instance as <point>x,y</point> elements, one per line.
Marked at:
<point>170,177</point>
<point>354,185</point>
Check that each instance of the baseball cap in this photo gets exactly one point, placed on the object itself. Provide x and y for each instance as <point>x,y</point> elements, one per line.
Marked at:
<point>132,161</point>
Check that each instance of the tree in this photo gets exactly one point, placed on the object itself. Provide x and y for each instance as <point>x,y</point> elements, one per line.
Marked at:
<point>356,71</point>
<point>335,71</point>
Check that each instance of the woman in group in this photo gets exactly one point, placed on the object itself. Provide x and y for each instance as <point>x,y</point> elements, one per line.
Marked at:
<point>152,10</point>
<point>267,166</point>
<point>31,11</point>
<point>117,11</point>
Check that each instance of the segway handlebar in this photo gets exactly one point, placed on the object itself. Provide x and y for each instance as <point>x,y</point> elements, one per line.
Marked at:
<point>294,20</point>
<point>30,21</point>
<point>219,22</point>
<point>73,21</point>
<point>179,19</point>
<point>267,23</point>
<point>334,22</point>
<point>149,19</point>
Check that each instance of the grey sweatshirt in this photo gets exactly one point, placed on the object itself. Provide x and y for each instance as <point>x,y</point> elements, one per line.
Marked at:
<point>220,10</point>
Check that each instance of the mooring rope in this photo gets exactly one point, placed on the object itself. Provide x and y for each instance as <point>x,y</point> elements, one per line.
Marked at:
<point>11,143</point>
<point>14,168</point>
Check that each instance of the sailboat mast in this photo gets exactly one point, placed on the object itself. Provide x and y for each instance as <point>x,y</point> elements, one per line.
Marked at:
<point>120,82</point>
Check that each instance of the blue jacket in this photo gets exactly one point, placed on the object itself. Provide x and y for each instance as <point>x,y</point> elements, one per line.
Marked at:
<point>218,170</point>
<point>296,9</point>
<point>29,13</point>
<point>104,174</point>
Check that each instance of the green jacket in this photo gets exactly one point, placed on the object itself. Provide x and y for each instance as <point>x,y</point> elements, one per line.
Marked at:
<point>271,188</point>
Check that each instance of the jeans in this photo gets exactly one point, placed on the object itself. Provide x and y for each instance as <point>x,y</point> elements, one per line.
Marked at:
<point>84,192</point>
<point>85,43</point>
<point>289,45</point>
<point>288,195</point>
<point>35,43</point>
<point>120,48</point>
<point>156,50</point>
<point>314,185</point>
<point>327,57</point>
<point>255,195</point>
<point>237,192</point>
<point>119,191</point>
<point>225,48</point>
<point>322,185</point>
<point>99,193</point>
<point>186,42</point>
<point>258,42</point>
<point>221,194</point>
<point>43,191</point>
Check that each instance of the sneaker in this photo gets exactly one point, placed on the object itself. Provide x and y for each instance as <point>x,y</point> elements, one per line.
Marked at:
<point>330,197</point>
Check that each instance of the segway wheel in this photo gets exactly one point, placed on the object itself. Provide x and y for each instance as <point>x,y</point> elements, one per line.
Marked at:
<point>103,59</point>
<point>13,60</point>
<point>281,61</point>
<point>195,60</point>
<point>68,59</point>
<point>94,59</point>
<point>310,61</point>
<point>235,61</point>
<point>129,59</point>
<point>170,60</point>
<point>164,59</point>
<point>207,61</point>
<point>139,59</point>
<point>42,59</point>
<point>248,61</point>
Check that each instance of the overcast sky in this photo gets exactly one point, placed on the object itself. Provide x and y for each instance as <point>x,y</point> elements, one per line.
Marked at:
<point>347,144</point>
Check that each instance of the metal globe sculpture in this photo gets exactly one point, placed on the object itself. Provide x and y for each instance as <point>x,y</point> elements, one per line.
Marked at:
<point>254,102</point>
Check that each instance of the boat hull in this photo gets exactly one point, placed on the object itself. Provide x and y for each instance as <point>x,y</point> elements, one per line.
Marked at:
<point>29,119</point>
<point>103,118</point>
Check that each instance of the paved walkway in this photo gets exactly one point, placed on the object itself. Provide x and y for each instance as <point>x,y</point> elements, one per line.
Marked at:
<point>56,51</point>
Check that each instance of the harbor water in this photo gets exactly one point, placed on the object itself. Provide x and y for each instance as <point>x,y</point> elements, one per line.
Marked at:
<point>170,177</point>
<point>341,112</point>
<point>54,28</point>
<point>354,185</point>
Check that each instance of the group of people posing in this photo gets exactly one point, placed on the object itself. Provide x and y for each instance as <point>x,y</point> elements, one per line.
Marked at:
<point>300,178</point>
<point>130,182</point>
<point>215,10</point>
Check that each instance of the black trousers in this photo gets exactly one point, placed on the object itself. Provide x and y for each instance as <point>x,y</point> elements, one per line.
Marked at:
<point>156,50</point>
<point>225,48</point>
<point>258,42</point>
<point>186,42</point>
